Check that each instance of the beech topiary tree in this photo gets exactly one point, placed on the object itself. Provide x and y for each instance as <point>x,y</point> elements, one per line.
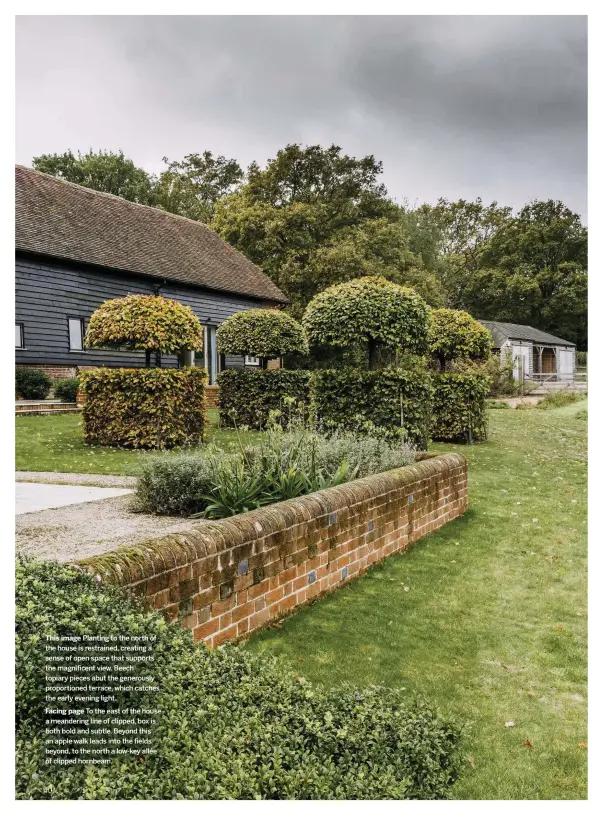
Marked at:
<point>456,335</point>
<point>264,333</point>
<point>370,312</point>
<point>144,322</point>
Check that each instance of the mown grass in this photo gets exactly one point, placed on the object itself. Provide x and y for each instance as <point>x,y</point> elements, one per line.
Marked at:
<point>486,617</point>
<point>56,444</point>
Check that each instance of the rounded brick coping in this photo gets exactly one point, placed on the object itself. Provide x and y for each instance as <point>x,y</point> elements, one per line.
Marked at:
<point>130,565</point>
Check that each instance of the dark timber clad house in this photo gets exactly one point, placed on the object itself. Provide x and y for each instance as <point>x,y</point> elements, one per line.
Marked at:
<point>76,248</point>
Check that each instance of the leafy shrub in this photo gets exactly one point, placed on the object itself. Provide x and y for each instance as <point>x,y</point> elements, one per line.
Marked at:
<point>144,407</point>
<point>234,725</point>
<point>364,454</point>
<point>173,483</point>
<point>456,335</point>
<point>247,397</point>
<point>66,389</point>
<point>560,399</point>
<point>371,312</point>
<point>498,405</point>
<point>459,407</point>
<point>262,333</point>
<point>525,404</point>
<point>581,358</point>
<point>285,465</point>
<point>396,401</point>
<point>144,322</point>
<point>32,383</point>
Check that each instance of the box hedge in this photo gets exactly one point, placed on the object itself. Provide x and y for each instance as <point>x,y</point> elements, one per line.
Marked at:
<point>234,725</point>
<point>460,407</point>
<point>247,397</point>
<point>144,407</point>
<point>32,383</point>
<point>66,389</point>
<point>395,400</point>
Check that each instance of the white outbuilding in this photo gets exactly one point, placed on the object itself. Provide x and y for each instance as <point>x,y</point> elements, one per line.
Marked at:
<point>537,356</point>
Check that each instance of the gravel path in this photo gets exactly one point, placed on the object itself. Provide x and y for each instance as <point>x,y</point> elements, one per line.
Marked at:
<point>81,530</point>
<point>82,479</point>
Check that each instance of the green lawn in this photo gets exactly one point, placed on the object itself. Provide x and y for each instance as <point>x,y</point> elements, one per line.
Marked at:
<point>486,618</point>
<point>55,444</point>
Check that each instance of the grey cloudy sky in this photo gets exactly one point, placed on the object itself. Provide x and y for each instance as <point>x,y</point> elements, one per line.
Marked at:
<point>457,107</point>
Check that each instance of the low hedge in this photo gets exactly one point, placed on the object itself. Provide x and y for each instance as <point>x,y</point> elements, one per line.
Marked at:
<point>460,407</point>
<point>247,397</point>
<point>234,725</point>
<point>174,483</point>
<point>66,389</point>
<point>396,401</point>
<point>32,383</point>
<point>144,407</point>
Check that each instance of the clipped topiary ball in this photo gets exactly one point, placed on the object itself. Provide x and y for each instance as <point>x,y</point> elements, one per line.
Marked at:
<point>456,335</point>
<point>144,322</point>
<point>261,332</point>
<point>368,310</point>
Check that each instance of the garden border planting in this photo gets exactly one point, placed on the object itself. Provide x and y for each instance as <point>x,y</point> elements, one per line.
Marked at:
<point>230,577</point>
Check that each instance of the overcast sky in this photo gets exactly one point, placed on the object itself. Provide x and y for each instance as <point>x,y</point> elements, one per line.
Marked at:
<point>457,107</point>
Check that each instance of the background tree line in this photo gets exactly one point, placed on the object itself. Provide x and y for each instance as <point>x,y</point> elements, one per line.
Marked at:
<point>314,216</point>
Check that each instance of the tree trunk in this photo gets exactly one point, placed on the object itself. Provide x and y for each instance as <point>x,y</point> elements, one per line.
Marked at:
<point>147,359</point>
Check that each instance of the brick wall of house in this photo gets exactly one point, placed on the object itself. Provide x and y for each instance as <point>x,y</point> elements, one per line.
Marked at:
<point>55,371</point>
<point>228,578</point>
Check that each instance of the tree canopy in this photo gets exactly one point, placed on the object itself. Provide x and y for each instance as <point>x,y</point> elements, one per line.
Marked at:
<point>192,187</point>
<point>104,171</point>
<point>259,332</point>
<point>313,217</point>
<point>456,335</point>
<point>372,312</point>
<point>144,322</point>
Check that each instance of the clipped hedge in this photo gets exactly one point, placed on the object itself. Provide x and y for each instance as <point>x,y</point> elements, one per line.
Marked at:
<point>261,332</point>
<point>144,322</point>
<point>247,397</point>
<point>66,389</point>
<point>235,725</point>
<point>371,311</point>
<point>32,383</point>
<point>455,334</point>
<point>394,400</point>
<point>460,407</point>
<point>144,407</point>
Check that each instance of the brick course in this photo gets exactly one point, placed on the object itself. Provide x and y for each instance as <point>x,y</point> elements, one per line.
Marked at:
<point>211,396</point>
<point>296,550</point>
<point>55,371</point>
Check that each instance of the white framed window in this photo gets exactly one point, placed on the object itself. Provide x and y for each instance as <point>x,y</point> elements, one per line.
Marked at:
<point>19,335</point>
<point>76,333</point>
<point>254,361</point>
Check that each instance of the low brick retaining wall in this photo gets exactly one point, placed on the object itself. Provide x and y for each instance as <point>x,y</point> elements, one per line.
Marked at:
<point>231,577</point>
<point>211,396</point>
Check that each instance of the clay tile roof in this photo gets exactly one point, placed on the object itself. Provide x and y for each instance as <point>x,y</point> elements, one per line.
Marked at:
<point>512,331</point>
<point>64,220</point>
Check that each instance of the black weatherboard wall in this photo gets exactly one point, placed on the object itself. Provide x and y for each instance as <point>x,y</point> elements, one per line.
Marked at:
<point>49,292</point>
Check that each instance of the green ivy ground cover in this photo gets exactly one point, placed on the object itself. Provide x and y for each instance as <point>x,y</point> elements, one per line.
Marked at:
<point>486,617</point>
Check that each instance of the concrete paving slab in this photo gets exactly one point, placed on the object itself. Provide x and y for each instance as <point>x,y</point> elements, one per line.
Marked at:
<point>31,497</point>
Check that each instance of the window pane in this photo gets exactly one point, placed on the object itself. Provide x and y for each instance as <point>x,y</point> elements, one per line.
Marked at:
<point>76,335</point>
<point>18,335</point>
